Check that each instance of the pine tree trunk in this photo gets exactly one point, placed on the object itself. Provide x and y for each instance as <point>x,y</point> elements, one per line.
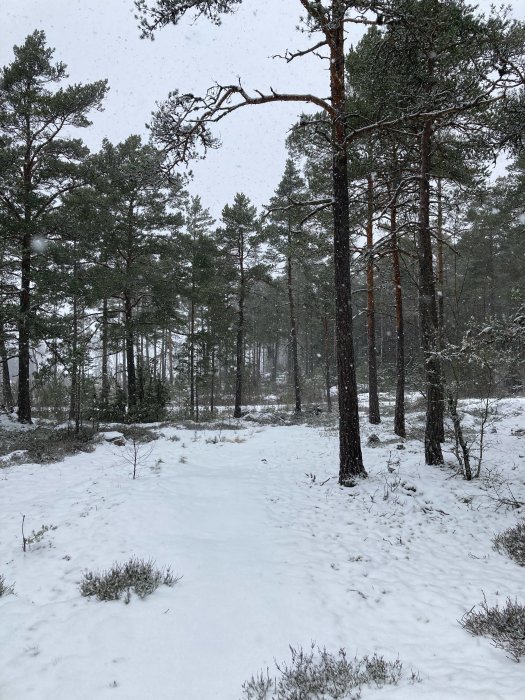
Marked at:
<point>155,354</point>
<point>170,351</point>
<point>124,368</point>
<point>350,457</point>
<point>163,363</point>
<point>275,360</point>
<point>130,356</point>
<point>399,412</point>
<point>24,321</point>
<point>374,416</point>
<point>212,383</point>
<point>74,365</point>
<point>239,364</point>
<point>428,309</point>
<point>293,336</point>
<point>192,360</point>
<point>440,297</point>
<point>7,393</point>
<point>440,262</point>
<point>104,394</point>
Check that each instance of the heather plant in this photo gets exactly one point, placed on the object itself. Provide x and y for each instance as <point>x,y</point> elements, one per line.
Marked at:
<point>512,543</point>
<point>136,575</point>
<point>5,588</point>
<point>317,674</point>
<point>504,626</point>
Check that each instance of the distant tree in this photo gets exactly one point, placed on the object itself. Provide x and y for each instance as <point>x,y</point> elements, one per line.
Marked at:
<point>286,236</point>
<point>201,262</point>
<point>238,239</point>
<point>135,200</point>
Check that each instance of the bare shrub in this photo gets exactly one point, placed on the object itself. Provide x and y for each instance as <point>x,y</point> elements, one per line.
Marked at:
<point>512,543</point>
<point>137,455</point>
<point>504,626</point>
<point>320,675</point>
<point>137,574</point>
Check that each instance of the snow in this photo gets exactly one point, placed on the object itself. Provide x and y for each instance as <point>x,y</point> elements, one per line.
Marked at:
<point>110,435</point>
<point>270,556</point>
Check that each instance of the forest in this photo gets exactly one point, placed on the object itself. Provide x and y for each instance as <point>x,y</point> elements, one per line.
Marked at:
<point>122,299</point>
<point>384,276</point>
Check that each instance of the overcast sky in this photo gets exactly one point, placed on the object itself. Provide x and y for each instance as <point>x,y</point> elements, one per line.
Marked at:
<point>99,39</point>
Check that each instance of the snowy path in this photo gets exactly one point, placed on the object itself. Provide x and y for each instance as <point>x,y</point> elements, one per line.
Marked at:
<point>268,558</point>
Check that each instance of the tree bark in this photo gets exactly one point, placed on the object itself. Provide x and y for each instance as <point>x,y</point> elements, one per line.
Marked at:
<point>440,297</point>
<point>350,457</point>
<point>399,412</point>
<point>428,309</point>
<point>374,416</point>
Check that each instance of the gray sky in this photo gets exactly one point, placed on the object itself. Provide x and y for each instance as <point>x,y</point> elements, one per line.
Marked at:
<point>99,39</point>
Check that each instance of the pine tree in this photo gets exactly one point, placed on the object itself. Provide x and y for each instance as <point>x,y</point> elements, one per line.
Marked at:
<point>239,241</point>
<point>41,165</point>
<point>134,200</point>
<point>287,238</point>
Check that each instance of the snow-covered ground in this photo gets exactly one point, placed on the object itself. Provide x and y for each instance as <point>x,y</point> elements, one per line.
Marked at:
<point>272,552</point>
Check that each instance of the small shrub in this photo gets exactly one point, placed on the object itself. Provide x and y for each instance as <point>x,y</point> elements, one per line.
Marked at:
<point>504,626</point>
<point>137,433</point>
<point>512,543</point>
<point>35,536</point>
<point>42,445</point>
<point>5,588</point>
<point>316,674</point>
<point>137,575</point>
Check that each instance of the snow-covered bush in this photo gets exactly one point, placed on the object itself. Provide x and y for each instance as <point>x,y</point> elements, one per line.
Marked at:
<point>504,626</point>
<point>317,673</point>
<point>5,589</point>
<point>45,444</point>
<point>512,543</point>
<point>137,574</point>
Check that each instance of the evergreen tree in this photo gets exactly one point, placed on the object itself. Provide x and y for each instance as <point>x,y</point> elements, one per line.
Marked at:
<point>286,236</point>
<point>41,163</point>
<point>239,240</point>
<point>135,201</point>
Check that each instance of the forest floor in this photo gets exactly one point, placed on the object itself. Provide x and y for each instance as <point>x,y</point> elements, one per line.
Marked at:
<point>272,553</point>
